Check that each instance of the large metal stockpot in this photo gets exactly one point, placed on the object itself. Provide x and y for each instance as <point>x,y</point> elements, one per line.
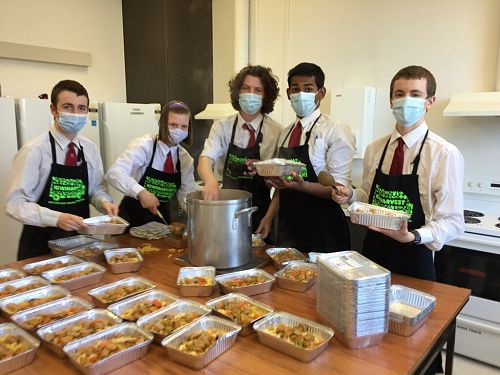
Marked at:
<point>220,232</point>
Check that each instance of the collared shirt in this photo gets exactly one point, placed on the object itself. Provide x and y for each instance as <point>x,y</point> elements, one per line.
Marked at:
<point>331,145</point>
<point>440,178</point>
<point>217,143</point>
<point>30,172</point>
<point>126,172</point>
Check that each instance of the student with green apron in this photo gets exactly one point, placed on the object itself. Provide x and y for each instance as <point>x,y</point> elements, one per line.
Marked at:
<point>416,171</point>
<point>155,171</point>
<point>235,142</point>
<point>307,218</point>
<point>56,175</point>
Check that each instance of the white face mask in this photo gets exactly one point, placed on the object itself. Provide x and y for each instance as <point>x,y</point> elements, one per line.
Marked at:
<point>177,135</point>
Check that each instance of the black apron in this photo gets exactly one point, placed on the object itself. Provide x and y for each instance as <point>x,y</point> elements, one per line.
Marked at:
<point>163,185</point>
<point>306,222</point>
<point>66,190</point>
<point>401,193</point>
<point>233,177</point>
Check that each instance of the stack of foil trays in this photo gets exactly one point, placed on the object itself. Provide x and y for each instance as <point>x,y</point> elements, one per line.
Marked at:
<point>353,297</point>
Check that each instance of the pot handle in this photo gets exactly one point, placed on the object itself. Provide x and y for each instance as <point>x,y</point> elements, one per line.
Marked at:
<point>237,214</point>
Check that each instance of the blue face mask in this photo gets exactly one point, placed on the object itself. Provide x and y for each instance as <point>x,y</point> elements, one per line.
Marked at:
<point>303,103</point>
<point>72,122</point>
<point>408,110</point>
<point>250,103</point>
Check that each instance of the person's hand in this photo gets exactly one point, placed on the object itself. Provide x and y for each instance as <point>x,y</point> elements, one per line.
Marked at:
<point>264,227</point>
<point>275,182</point>
<point>344,195</point>
<point>401,235</point>
<point>69,222</point>
<point>251,170</point>
<point>211,190</point>
<point>110,208</point>
<point>149,201</point>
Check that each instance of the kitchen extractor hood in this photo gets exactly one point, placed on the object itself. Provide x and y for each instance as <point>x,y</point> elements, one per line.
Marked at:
<point>474,104</point>
<point>216,111</point>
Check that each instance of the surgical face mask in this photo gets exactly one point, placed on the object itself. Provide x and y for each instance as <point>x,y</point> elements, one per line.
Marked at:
<point>250,103</point>
<point>303,103</point>
<point>408,110</point>
<point>72,122</point>
<point>177,135</point>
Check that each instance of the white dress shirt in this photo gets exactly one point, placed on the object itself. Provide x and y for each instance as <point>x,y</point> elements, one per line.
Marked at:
<point>331,146</point>
<point>30,172</point>
<point>127,170</point>
<point>440,178</point>
<point>219,138</point>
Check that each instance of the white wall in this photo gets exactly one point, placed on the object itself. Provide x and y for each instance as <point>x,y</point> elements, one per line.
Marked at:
<point>365,42</point>
<point>93,26</point>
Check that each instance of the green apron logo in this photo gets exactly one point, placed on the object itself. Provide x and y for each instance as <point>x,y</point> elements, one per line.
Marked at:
<point>303,171</point>
<point>392,199</point>
<point>163,190</point>
<point>236,167</point>
<point>66,190</point>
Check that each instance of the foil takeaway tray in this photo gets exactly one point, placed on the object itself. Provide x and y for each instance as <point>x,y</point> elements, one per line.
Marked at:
<point>321,332</point>
<point>61,245</point>
<point>104,295</point>
<point>9,274</point>
<point>38,268</point>
<point>246,328</point>
<point>23,359</point>
<point>207,272</point>
<point>76,282</point>
<point>222,344</point>
<point>28,300</point>
<point>54,329</point>
<point>104,224</point>
<point>119,308</point>
<point>280,256</point>
<point>179,307</point>
<point>10,288</point>
<point>368,214</point>
<point>124,267</point>
<point>296,285</point>
<point>116,360</point>
<point>263,287</point>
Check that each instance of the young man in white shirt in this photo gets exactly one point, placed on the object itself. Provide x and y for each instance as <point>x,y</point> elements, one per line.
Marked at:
<point>308,220</point>
<point>56,175</point>
<point>235,142</point>
<point>416,171</point>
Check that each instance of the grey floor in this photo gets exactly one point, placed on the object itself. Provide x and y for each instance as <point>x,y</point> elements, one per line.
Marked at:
<point>466,366</point>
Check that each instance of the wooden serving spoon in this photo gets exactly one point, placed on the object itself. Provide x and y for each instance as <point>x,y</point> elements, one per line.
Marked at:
<point>326,179</point>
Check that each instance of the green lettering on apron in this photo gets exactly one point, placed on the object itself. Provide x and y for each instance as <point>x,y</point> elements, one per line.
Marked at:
<point>394,200</point>
<point>163,190</point>
<point>66,190</point>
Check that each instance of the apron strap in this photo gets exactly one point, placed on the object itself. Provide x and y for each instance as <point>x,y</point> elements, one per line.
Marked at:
<point>234,129</point>
<point>308,134</point>
<point>383,155</point>
<point>416,161</point>
<point>53,148</point>
<point>153,154</point>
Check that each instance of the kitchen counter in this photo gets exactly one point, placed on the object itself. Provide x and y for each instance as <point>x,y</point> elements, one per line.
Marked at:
<point>395,354</point>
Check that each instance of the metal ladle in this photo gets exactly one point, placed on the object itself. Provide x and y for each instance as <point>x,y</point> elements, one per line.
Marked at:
<point>326,179</point>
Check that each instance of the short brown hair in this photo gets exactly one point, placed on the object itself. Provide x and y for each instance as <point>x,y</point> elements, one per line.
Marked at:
<point>416,72</point>
<point>268,79</point>
<point>68,85</point>
<point>178,107</point>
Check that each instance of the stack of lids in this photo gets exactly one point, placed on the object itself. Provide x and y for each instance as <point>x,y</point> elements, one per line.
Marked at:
<point>353,297</point>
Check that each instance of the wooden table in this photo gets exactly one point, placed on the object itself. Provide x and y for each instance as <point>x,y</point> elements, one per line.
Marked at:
<point>394,355</point>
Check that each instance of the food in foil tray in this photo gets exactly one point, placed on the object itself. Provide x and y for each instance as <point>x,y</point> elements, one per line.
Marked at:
<point>86,271</point>
<point>10,290</point>
<point>297,335</point>
<point>171,322</point>
<point>241,312</point>
<point>13,308</point>
<point>37,270</point>
<point>10,274</point>
<point>88,355</point>
<point>143,308</point>
<point>121,292</point>
<point>244,281</point>
<point>124,258</point>
<point>197,281</point>
<point>46,318</point>
<point>286,255</point>
<point>299,274</point>
<point>76,331</point>
<point>87,252</point>
<point>12,345</point>
<point>199,342</point>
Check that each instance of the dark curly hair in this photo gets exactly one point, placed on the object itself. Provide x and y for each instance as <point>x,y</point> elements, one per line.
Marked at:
<point>174,106</point>
<point>268,79</point>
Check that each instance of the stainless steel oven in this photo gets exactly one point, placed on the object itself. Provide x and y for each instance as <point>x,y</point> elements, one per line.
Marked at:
<point>473,261</point>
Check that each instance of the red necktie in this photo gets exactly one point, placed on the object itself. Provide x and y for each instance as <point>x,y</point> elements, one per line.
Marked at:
<point>294,140</point>
<point>71,157</point>
<point>168,167</point>
<point>251,130</point>
<point>398,159</point>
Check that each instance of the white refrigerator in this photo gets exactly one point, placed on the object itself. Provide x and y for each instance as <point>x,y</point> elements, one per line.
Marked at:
<point>120,123</point>
<point>10,229</point>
